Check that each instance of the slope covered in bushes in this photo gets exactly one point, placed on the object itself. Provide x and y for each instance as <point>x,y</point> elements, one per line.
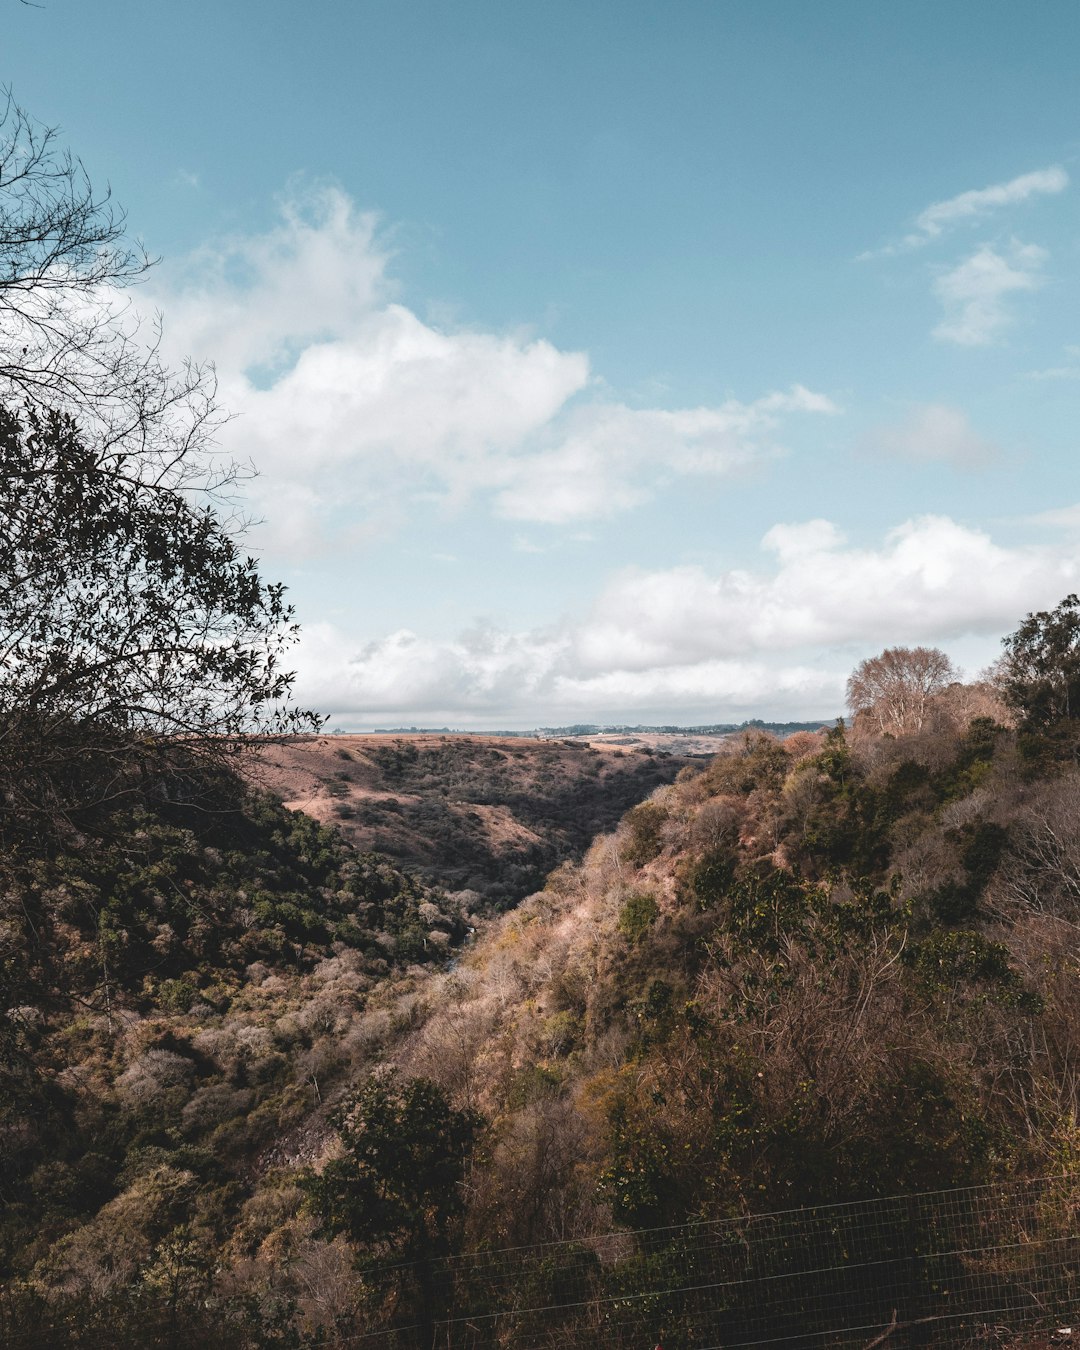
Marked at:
<point>174,975</point>
<point>830,968</point>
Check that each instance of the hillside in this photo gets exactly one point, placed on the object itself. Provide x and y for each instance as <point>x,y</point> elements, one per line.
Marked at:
<point>261,1092</point>
<point>485,814</point>
<point>179,981</point>
<point>828,968</point>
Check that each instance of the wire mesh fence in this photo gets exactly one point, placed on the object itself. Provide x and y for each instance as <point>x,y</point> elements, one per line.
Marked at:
<point>985,1265</point>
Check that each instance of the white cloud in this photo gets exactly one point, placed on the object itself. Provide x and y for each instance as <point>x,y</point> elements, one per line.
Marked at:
<point>682,641</point>
<point>350,405</point>
<point>933,433</point>
<point>974,205</point>
<point>254,300</point>
<point>973,293</point>
<point>606,458</point>
<point>980,202</point>
<point>930,578</point>
<point>1069,371</point>
<point>482,671</point>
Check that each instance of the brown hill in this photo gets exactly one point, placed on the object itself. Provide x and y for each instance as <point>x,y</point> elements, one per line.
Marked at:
<point>487,814</point>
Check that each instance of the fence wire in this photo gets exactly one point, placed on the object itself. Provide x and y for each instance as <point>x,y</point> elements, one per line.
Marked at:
<point>979,1266</point>
<point>984,1266</point>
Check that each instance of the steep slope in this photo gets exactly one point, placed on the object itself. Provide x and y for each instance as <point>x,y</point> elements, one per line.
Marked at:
<point>837,967</point>
<point>173,983</point>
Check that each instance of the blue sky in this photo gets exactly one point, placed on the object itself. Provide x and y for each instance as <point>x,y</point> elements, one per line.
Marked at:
<point>611,361</point>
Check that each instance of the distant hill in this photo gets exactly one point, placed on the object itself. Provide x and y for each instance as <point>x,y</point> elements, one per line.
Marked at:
<point>589,729</point>
<point>781,729</point>
<point>485,814</point>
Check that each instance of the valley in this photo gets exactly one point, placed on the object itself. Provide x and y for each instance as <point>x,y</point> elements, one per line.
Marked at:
<point>486,815</point>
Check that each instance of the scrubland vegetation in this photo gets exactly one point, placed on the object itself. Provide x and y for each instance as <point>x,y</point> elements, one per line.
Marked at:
<point>248,1071</point>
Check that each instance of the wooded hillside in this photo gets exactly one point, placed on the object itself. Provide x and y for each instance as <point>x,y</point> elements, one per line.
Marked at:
<point>835,967</point>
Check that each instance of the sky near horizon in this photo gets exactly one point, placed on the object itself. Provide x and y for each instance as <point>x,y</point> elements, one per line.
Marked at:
<point>611,361</point>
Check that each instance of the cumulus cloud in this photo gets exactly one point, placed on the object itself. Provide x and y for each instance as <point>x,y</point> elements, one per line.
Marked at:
<point>933,433</point>
<point>973,294</point>
<point>706,645</point>
<point>349,404</point>
<point>490,678</point>
<point>251,300</point>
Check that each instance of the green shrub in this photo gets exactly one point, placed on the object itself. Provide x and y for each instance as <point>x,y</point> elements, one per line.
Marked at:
<point>638,914</point>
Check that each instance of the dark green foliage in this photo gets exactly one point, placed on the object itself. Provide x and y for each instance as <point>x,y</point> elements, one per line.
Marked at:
<point>397,1191</point>
<point>710,878</point>
<point>973,762</point>
<point>981,846</point>
<point>1040,670</point>
<point>639,1180</point>
<point>644,840</point>
<point>961,961</point>
<point>171,896</point>
<point>760,763</point>
<point>396,1194</point>
<point>846,828</point>
<point>128,616</point>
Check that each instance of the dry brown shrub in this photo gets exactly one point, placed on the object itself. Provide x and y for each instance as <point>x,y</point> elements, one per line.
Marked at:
<point>801,744</point>
<point>538,1185</point>
<point>154,1076</point>
<point>718,824</point>
<point>928,861</point>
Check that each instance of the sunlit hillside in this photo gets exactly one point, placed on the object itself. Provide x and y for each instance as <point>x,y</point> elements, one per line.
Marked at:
<point>834,967</point>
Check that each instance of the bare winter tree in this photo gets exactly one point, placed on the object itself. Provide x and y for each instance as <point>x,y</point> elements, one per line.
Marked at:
<point>69,341</point>
<point>895,689</point>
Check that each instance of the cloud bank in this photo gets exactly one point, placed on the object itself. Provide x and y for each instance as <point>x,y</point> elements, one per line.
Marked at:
<point>683,642</point>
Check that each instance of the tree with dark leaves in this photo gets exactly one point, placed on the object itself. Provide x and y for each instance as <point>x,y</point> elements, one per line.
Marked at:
<point>129,621</point>
<point>1039,672</point>
<point>131,624</point>
<point>396,1193</point>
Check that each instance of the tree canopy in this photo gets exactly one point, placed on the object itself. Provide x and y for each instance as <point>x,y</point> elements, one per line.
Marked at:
<point>127,614</point>
<point>895,688</point>
<point>1039,673</point>
<point>396,1191</point>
